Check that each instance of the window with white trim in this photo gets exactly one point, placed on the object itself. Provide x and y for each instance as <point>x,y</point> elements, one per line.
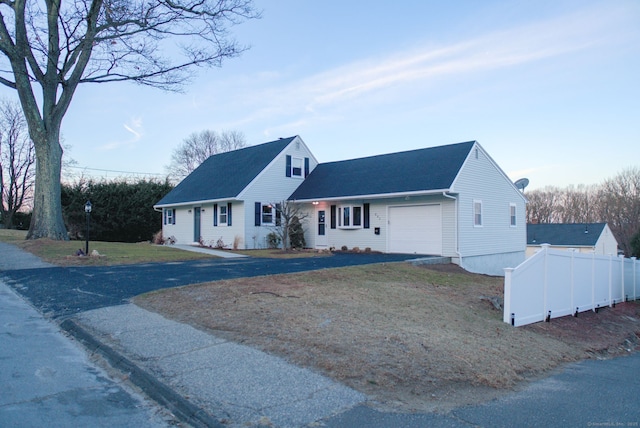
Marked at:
<point>222,218</point>
<point>296,167</point>
<point>477,213</point>
<point>169,216</point>
<point>350,216</point>
<point>512,214</point>
<point>267,214</point>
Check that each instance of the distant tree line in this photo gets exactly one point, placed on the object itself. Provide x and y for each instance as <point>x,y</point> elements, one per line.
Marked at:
<point>121,211</point>
<point>616,201</point>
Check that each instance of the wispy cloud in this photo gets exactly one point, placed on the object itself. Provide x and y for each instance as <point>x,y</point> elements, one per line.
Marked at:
<point>134,127</point>
<point>427,65</point>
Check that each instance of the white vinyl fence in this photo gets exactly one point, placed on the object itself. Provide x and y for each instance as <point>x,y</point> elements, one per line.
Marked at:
<point>555,283</point>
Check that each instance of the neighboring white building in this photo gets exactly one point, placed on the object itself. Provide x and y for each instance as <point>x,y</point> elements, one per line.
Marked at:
<point>451,201</point>
<point>594,238</point>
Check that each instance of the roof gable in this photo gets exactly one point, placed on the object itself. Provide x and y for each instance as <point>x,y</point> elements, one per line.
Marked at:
<point>225,175</point>
<point>565,234</point>
<point>421,170</point>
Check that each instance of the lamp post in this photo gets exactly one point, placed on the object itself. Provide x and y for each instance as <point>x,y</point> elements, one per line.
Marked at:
<point>87,210</point>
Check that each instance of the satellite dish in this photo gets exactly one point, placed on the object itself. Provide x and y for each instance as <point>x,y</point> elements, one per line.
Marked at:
<point>522,183</point>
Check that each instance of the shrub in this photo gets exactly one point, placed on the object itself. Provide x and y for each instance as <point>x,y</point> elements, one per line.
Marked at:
<point>236,242</point>
<point>273,240</point>
<point>296,234</point>
<point>157,238</point>
<point>344,248</point>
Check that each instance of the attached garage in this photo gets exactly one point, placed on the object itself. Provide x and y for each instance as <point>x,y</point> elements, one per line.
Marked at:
<point>415,229</point>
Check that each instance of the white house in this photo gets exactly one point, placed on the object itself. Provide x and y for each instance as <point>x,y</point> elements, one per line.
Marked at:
<point>451,201</point>
<point>231,197</point>
<point>594,238</point>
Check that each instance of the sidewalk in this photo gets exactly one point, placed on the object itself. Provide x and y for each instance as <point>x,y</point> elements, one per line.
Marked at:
<point>235,384</point>
<point>47,379</point>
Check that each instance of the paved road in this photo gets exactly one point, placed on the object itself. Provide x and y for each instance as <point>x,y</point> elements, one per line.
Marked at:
<point>64,291</point>
<point>47,380</point>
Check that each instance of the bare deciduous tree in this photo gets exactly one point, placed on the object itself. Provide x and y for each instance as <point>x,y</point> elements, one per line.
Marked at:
<point>50,47</point>
<point>197,147</point>
<point>288,213</point>
<point>616,202</point>
<point>17,159</point>
<point>620,206</point>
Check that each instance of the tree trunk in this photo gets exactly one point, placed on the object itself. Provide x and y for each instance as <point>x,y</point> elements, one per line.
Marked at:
<point>47,221</point>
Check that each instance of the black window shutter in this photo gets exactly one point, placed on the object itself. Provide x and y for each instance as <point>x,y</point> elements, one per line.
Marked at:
<point>229,214</point>
<point>306,167</point>
<point>365,212</point>
<point>174,216</point>
<point>288,172</point>
<point>257,212</point>
<point>164,217</point>
<point>333,216</point>
<point>215,214</point>
<point>278,216</point>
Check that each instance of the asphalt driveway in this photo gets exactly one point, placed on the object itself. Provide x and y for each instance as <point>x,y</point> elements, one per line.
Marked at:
<point>64,291</point>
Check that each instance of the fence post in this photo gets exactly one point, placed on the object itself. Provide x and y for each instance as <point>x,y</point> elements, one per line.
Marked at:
<point>635,276</point>
<point>507,315</point>
<point>621,257</point>
<point>545,248</point>
<point>573,251</point>
<point>593,281</point>
<point>610,278</point>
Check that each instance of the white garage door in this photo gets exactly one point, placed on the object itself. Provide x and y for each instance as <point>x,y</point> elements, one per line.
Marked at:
<point>415,229</point>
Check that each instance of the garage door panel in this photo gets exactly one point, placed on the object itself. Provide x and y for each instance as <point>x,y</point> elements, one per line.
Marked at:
<point>415,229</point>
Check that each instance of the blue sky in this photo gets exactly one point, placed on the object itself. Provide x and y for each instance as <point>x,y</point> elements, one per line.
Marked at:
<point>551,89</point>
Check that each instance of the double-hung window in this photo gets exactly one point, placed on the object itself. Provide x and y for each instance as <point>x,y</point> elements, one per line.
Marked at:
<point>477,213</point>
<point>512,214</point>
<point>169,216</point>
<point>267,214</point>
<point>223,215</point>
<point>296,167</point>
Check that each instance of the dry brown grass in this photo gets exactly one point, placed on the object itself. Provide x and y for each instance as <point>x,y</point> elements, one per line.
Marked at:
<point>411,337</point>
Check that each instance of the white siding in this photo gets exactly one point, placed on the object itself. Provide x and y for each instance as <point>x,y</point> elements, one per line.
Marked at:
<point>480,179</point>
<point>271,186</point>
<point>378,218</point>
<point>607,243</point>
<point>182,230</point>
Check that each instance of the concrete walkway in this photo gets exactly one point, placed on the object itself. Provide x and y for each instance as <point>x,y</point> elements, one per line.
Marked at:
<point>207,250</point>
<point>235,384</point>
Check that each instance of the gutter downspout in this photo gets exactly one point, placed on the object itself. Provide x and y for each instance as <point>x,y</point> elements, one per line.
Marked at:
<point>457,225</point>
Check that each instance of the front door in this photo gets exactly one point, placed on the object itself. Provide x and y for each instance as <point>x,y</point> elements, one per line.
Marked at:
<point>196,224</point>
<point>321,231</point>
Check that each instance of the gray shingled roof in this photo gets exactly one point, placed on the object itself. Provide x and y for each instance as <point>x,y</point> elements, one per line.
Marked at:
<point>432,168</point>
<point>564,234</point>
<point>225,175</point>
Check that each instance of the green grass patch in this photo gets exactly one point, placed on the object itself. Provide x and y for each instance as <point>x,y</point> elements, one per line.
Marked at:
<point>63,253</point>
<point>12,236</point>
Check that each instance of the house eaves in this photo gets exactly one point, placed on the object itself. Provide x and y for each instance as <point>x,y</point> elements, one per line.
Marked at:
<point>375,196</point>
<point>195,203</point>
